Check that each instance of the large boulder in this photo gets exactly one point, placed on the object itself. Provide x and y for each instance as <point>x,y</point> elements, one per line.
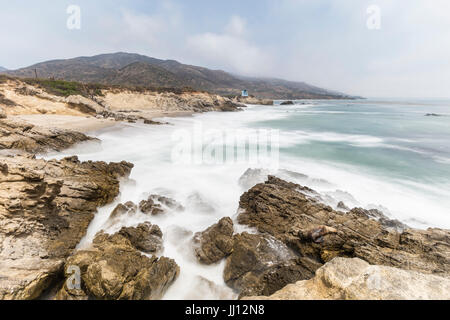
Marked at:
<point>113,269</point>
<point>27,137</point>
<point>355,279</point>
<point>215,243</point>
<point>45,210</point>
<point>315,230</point>
<point>261,265</point>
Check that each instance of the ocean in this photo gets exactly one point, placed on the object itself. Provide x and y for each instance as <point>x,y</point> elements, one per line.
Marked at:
<point>383,154</point>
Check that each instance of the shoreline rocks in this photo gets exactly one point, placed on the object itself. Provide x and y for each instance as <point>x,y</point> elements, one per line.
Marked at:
<point>114,269</point>
<point>215,243</point>
<point>19,135</point>
<point>156,205</point>
<point>261,265</point>
<point>45,210</point>
<point>146,237</point>
<point>314,230</point>
<point>355,279</point>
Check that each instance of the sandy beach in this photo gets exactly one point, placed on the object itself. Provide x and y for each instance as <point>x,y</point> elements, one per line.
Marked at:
<point>76,123</point>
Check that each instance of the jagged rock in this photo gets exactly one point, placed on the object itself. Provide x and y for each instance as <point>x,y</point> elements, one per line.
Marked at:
<point>261,265</point>
<point>145,237</point>
<point>282,210</point>
<point>229,106</point>
<point>156,205</point>
<point>122,209</point>
<point>382,218</point>
<point>151,122</point>
<point>150,207</point>
<point>45,210</point>
<point>112,269</point>
<point>27,137</point>
<point>168,202</point>
<point>215,243</point>
<point>355,279</point>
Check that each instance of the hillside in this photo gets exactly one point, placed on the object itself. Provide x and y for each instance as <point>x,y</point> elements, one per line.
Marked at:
<point>139,70</point>
<point>3,69</point>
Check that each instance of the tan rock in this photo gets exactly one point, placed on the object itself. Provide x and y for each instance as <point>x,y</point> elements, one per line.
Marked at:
<point>215,243</point>
<point>45,210</point>
<point>355,279</point>
<point>21,135</point>
<point>145,237</point>
<point>261,265</point>
<point>314,230</point>
<point>113,269</point>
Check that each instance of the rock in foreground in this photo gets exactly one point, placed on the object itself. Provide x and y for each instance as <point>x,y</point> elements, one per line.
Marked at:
<point>145,237</point>
<point>156,204</point>
<point>261,265</point>
<point>355,279</point>
<point>45,210</point>
<point>215,243</point>
<point>113,269</point>
<point>315,230</point>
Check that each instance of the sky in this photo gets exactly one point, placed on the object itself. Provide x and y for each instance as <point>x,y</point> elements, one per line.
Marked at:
<point>376,48</point>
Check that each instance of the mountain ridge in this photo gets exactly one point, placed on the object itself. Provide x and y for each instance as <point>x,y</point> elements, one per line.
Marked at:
<point>133,69</point>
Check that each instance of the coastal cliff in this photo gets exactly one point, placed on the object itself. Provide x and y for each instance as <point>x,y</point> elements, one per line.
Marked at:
<point>38,100</point>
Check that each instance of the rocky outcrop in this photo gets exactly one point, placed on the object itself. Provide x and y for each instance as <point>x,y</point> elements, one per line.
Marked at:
<point>123,208</point>
<point>215,243</point>
<point>261,265</point>
<point>113,269</point>
<point>156,205</point>
<point>315,230</point>
<point>355,279</point>
<point>145,237</point>
<point>27,137</point>
<point>45,209</point>
<point>287,103</point>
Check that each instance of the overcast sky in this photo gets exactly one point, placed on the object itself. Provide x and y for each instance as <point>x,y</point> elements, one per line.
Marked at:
<point>322,42</point>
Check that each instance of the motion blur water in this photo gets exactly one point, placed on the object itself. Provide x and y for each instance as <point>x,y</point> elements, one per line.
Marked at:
<point>371,154</point>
